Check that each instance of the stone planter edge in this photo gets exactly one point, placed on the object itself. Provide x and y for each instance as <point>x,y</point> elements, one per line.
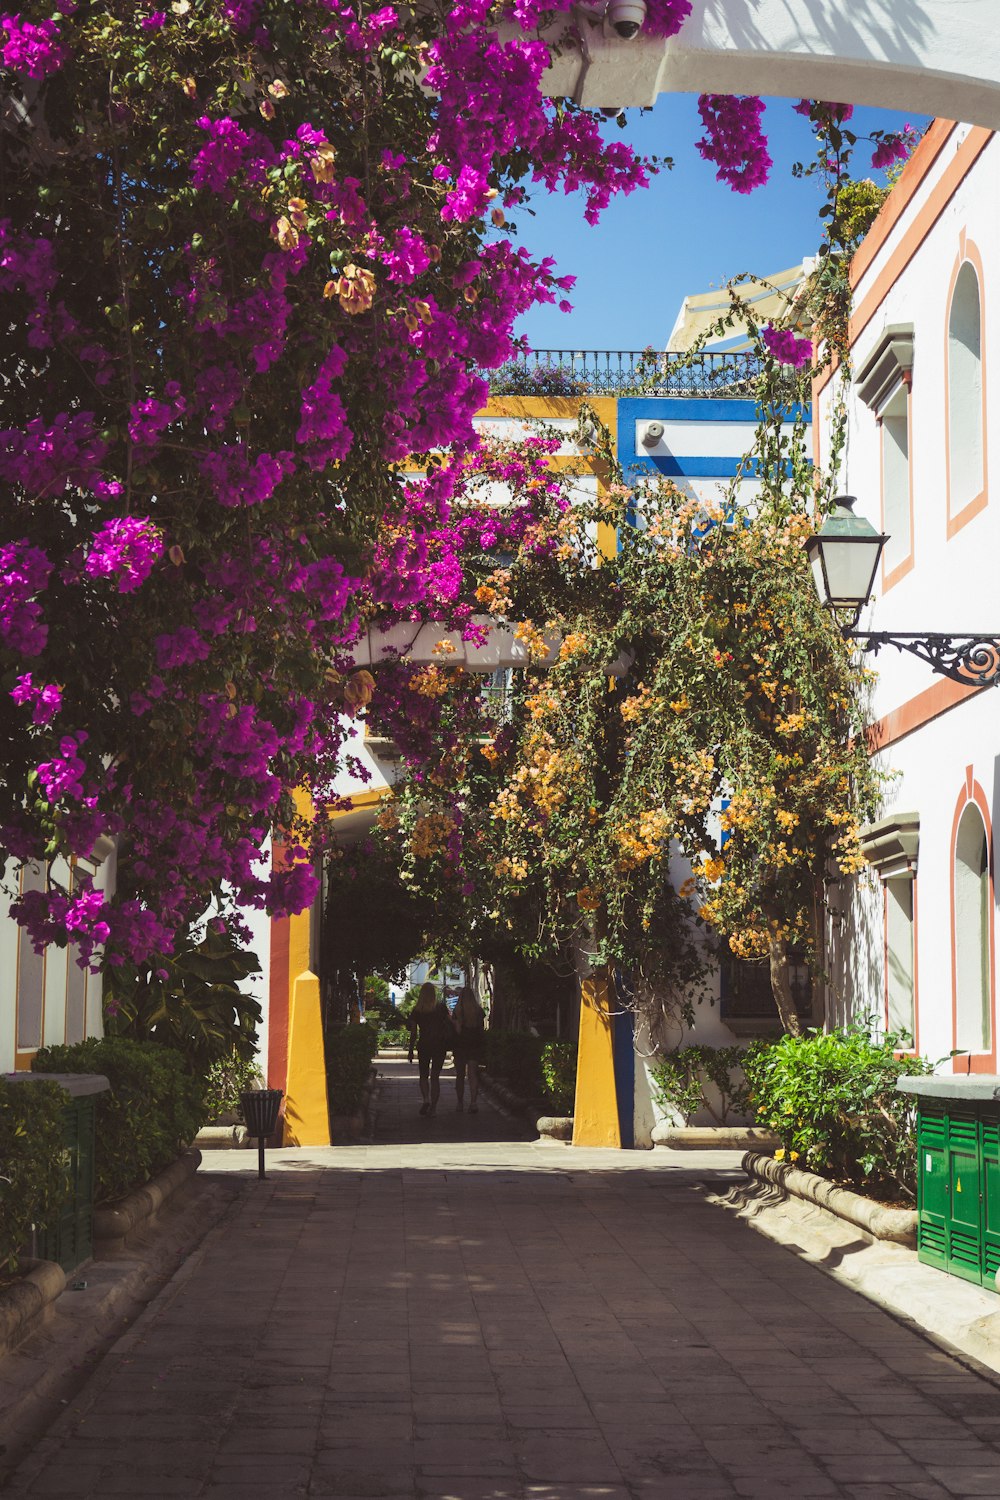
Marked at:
<point>898,1225</point>
<point>222,1137</point>
<point>714,1137</point>
<point>113,1225</point>
<point>24,1304</point>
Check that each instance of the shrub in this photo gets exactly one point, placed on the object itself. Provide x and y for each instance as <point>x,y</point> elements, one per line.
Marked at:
<point>33,1178</point>
<point>832,1099</point>
<point>154,1108</point>
<point>518,377</point>
<point>394,1036</point>
<point>559,1074</point>
<point>226,1080</point>
<point>348,1064</point>
<point>680,1081</point>
<point>190,1001</point>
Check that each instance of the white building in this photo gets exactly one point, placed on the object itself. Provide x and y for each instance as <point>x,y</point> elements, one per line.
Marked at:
<point>46,998</point>
<point>914,940</point>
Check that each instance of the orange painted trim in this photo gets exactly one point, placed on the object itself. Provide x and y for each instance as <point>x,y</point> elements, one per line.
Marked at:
<point>973,1062</point>
<point>278,1001</point>
<point>888,216</point>
<point>891,578</point>
<point>918,711</point>
<point>944,190</point>
<point>968,251</point>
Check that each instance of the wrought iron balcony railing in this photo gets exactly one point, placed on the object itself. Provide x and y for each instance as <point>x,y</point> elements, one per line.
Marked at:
<point>633,372</point>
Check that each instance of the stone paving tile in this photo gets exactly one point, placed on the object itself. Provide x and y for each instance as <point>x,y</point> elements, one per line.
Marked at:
<point>458,1314</point>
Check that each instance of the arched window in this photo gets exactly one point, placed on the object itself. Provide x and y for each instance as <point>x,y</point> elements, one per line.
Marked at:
<point>966,479</point>
<point>973,1024</point>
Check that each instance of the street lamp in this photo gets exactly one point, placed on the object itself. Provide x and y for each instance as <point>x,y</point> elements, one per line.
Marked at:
<point>844,557</point>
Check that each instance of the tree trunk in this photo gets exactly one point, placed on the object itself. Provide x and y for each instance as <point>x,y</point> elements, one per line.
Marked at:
<point>781,988</point>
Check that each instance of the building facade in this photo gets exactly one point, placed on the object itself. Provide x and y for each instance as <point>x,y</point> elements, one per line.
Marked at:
<point>912,942</point>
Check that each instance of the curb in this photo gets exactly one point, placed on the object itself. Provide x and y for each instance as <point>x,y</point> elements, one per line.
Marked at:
<point>898,1225</point>
<point>24,1305</point>
<point>112,1226</point>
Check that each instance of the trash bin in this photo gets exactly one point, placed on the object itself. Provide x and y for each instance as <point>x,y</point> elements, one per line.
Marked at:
<point>260,1115</point>
<point>958,1174</point>
<point>70,1240</point>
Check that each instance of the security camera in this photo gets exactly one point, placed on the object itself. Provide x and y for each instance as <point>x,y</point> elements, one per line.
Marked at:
<point>653,434</point>
<point>626,17</point>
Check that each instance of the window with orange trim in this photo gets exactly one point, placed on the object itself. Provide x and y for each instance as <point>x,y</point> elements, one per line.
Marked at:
<point>894,424</point>
<point>973,990</point>
<point>966,468</point>
<point>900,958</point>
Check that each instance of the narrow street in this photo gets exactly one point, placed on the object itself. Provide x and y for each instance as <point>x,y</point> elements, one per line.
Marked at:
<point>456,1313</point>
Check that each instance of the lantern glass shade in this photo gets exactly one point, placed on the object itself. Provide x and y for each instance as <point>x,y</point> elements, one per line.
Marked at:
<point>844,556</point>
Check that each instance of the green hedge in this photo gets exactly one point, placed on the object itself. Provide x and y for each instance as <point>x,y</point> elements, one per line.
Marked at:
<point>349,1054</point>
<point>832,1099</point>
<point>33,1179</point>
<point>154,1108</point>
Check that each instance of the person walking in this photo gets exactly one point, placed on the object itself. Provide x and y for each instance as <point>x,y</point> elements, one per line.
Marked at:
<point>433,1035</point>
<point>469,1021</point>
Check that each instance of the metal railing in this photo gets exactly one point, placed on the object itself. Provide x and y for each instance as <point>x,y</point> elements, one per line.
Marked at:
<point>631,372</point>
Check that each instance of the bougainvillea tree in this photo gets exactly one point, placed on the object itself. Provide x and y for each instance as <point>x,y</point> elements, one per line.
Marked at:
<point>251,260</point>
<point>253,257</point>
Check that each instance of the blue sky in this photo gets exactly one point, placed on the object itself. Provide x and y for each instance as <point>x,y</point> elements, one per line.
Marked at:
<point>683,234</point>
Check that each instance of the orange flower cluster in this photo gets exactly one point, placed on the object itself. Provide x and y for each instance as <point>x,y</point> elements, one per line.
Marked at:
<point>430,834</point>
<point>354,289</point>
<point>643,841</point>
<point>640,703</point>
<point>432,681</point>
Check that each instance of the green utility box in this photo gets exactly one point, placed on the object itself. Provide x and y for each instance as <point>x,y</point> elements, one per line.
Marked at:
<point>70,1240</point>
<point>958,1174</point>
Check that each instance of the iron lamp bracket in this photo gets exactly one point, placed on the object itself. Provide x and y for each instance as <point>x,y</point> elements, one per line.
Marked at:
<point>972,659</point>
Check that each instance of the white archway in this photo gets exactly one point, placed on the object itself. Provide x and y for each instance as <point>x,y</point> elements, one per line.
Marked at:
<point>930,56</point>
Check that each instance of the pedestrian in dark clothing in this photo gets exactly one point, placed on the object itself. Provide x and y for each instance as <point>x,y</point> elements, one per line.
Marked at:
<point>433,1035</point>
<point>469,1022</point>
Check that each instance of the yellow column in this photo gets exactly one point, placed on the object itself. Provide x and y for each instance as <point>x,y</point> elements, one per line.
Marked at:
<point>595,1112</point>
<point>307,1119</point>
<point>307,1116</point>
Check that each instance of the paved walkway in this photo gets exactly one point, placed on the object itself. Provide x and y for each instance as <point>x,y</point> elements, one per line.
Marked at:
<point>453,1314</point>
